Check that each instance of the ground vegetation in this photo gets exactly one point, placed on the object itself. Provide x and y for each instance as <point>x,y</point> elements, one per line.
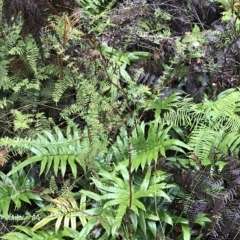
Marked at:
<point>119,119</point>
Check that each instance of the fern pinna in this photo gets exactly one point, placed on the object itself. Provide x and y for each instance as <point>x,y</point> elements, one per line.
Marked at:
<point>216,195</point>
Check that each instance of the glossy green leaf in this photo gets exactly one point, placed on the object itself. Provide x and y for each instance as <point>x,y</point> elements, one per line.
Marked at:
<point>152,226</point>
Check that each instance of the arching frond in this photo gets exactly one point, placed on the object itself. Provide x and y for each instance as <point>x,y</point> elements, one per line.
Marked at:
<point>56,150</point>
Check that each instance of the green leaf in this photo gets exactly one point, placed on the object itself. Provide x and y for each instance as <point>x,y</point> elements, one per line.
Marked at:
<point>24,198</point>
<point>5,203</point>
<point>152,225</point>
<point>142,221</point>
<point>16,236</point>
<point>33,196</point>
<point>124,73</point>
<point>87,228</point>
<point>186,232</point>
<point>71,161</point>
<point>23,164</point>
<point>135,56</point>
<point>92,195</point>
<point>58,222</point>
<point>49,164</point>
<point>56,164</point>
<point>165,217</point>
<point>93,211</point>
<point>134,220</point>
<point>43,222</point>
<point>121,210</point>
<point>145,183</point>
<point>64,159</point>
<point>201,219</point>
<point>43,165</point>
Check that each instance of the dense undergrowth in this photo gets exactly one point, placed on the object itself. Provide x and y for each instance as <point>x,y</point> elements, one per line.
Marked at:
<point>119,119</point>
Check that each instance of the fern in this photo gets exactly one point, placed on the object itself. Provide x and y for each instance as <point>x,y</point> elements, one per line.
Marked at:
<point>26,233</point>
<point>214,124</point>
<point>208,112</point>
<point>143,150</point>
<point>115,191</point>
<point>62,212</point>
<point>203,141</point>
<point>16,190</point>
<point>55,150</point>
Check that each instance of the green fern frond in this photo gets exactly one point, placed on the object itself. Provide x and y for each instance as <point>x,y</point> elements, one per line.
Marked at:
<point>115,193</point>
<point>222,113</point>
<point>204,140</point>
<point>16,190</point>
<point>142,149</point>
<point>26,233</point>
<point>55,150</point>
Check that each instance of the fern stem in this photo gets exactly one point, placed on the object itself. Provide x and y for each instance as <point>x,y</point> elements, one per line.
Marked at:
<point>130,192</point>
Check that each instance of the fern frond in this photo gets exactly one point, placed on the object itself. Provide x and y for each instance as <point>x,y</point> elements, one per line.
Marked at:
<point>55,150</point>
<point>144,149</point>
<point>62,213</point>
<point>16,190</point>
<point>26,233</point>
<point>223,113</point>
<point>203,140</point>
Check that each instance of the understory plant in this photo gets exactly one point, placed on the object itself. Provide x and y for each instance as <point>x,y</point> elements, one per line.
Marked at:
<point>114,124</point>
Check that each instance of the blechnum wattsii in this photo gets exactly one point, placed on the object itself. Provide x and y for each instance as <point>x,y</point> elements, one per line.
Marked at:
<point>94,145</point>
